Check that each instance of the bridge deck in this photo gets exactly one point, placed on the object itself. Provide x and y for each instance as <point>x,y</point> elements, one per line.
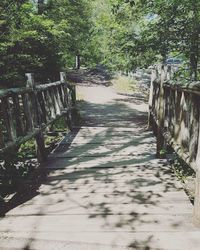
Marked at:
<point>105,189</point>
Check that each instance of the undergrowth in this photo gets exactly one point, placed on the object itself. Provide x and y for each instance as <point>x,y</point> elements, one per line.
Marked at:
<point>16,168</point>
<point>185,174</point>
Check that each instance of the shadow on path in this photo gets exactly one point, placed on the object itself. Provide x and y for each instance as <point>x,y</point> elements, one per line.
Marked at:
<point>104,188</point>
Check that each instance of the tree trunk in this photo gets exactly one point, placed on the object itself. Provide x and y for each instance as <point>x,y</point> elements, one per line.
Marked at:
<point>194,46</point>
<point>194,57</point>
<point>78,62</point>
<point>161,114</point>
<point>40,6</point>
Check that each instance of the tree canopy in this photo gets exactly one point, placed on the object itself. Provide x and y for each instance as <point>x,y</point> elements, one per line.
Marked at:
<point>44,36</point>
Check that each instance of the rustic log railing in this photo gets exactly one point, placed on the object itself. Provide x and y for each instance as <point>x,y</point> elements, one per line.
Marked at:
<point>26,112</point>
<point>174,115</point>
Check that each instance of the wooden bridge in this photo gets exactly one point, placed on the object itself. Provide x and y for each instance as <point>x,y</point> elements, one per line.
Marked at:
<point>105,187</point>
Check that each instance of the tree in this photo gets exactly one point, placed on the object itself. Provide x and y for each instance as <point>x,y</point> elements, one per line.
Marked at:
<point>42,37</point>
<point>173,26</point>
<point>72,18</point>
<point>45,36</point>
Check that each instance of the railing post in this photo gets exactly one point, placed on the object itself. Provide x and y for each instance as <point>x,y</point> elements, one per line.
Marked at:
<point>64,88</point>
<point>196,212</point>
<point>78,62</point>
<point>72,114</point>
<point>63,77</point>
<point>68,118</point>
<point>39,138</point>
<point>9,119</point>
<point>30,80</point>
<point>74,110</point>
<point>153,77</point>
<point>40,147</point>
<point>1,138</point>
<point>161,114</point>
<point>73,95</point>
<point>169,73</point>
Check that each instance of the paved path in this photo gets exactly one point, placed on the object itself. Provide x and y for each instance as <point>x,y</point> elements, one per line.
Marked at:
<point>105,190</point>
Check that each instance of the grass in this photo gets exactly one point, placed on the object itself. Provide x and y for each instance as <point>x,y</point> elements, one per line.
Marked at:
<point>124,84</point>
<point>79,96</point>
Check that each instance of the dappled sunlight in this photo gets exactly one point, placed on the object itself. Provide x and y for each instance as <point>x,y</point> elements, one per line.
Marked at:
<point>104,186</point>
<point>85,87</point>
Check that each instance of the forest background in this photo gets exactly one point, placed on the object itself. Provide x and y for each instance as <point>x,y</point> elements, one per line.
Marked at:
<point>45,36</point>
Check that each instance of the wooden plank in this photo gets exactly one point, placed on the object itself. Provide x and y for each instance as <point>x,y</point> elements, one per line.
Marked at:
<point>120,201</point>
<point>115,223</point>
<point>101,240</point>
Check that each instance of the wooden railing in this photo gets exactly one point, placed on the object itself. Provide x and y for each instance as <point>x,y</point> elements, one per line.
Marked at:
<point>174,115</point>
<point>26,112</point>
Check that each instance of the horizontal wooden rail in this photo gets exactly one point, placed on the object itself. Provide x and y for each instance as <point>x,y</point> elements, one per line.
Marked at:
<point>26,112</point>
<point>174,115</point>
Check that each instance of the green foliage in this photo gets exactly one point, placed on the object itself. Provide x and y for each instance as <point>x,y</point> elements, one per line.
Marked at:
<point>163,153</point>
<point>167,27</point>
<point>121,34</point>
<point>42,43</point>
<point>183,171</point>
<point>185,174</point>
<point>124,84</point>
<point>140,33</point>
<point>60,124</point>
<point>16,168</point>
